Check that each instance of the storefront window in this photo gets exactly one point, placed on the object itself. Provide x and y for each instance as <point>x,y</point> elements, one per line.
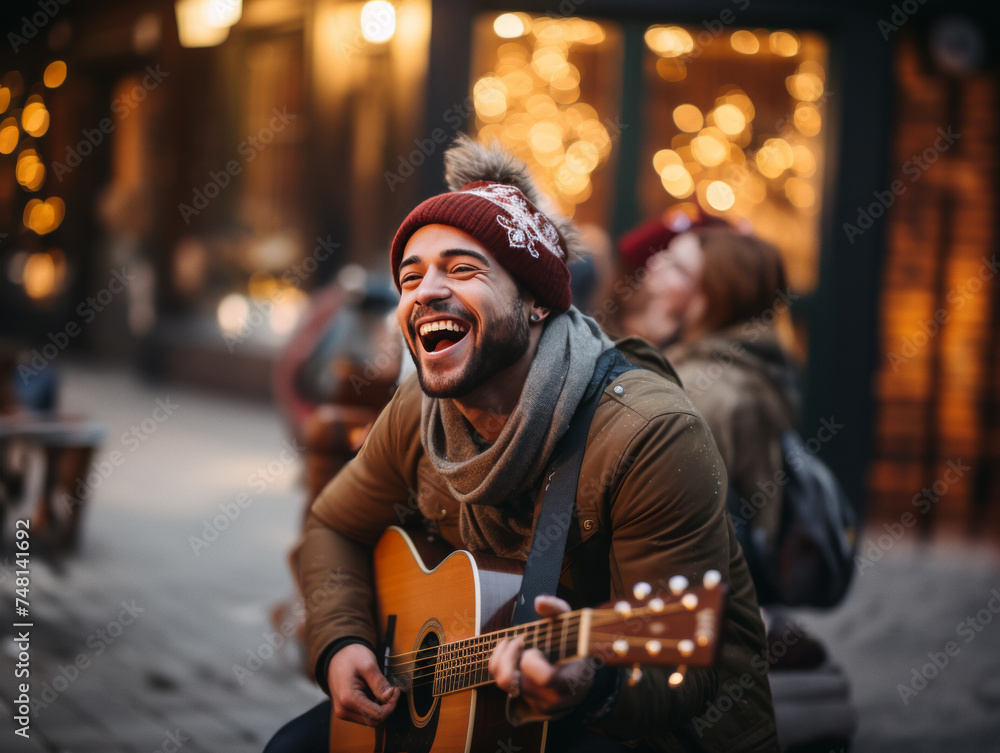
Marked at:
<point>734,124</point>
<point>548,88</point>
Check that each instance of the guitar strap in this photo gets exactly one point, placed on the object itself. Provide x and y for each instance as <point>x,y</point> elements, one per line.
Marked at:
<point>548,542</point>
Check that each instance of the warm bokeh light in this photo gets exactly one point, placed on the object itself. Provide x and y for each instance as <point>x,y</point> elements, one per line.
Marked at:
<point>669,41</point>
<point>729,119</point>
<point>233,313</point>
<point>805,86</point>
<point>744,41</point>
<point>710,147</point>
<point>784,43</point>
<point>40,275</point>
<point>44,216</point>
<point>287,310</point>
<point>803,161</point>
<point>224,12</point>
<point>55,74</point>
<point>30,172</point>
<point>671,69</point>
<point>35,119</point>
<point>490,98</point>
<point>509,26</point>
<point>800,194</point>
<point>9,135</point>
<point>720,196</point>
<point>807,119</point>
<point>688,118</point>
<point>665,157</point>
<point>195,24</point>
<point>4,98</point>
<point>677,181</point>
<point>378,21</point>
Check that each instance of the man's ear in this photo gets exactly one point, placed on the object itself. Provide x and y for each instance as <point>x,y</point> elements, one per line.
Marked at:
<point>538,313</point>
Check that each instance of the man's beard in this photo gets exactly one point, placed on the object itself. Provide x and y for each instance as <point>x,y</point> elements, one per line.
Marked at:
<point>503,340</point>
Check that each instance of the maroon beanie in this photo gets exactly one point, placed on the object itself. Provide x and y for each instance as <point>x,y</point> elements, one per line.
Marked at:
<point>510,227</point>
<point>639,244</point>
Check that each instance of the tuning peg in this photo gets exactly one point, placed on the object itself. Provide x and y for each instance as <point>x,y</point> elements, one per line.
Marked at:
<point>620,647</point>
<point>690,601</point>
<point>712,579</point>
<point>678,584</point>
<point>685,648</point>
<point>657,604</point>
<point>653,647</point>
<point>677,677</point>
<point>635,675</point>
<point>641,590</point>
<point>623,608</point>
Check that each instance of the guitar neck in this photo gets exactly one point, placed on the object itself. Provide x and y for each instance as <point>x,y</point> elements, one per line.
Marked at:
<point>461,665</point>
<point>677,630</point>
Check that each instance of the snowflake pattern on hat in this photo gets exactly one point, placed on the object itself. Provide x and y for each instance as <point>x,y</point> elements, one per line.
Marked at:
<point>526,228</point>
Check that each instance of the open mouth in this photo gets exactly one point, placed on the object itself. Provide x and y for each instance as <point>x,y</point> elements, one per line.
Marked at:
<point>441,334</point>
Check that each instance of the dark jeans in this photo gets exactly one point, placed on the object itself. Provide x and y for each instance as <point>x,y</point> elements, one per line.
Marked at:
<point>310,733</point>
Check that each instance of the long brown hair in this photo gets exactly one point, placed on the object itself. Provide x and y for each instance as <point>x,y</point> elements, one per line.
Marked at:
<point>741,278</point>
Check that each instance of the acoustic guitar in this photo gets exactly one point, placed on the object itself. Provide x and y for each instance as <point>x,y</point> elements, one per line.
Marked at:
<point>442,614</point>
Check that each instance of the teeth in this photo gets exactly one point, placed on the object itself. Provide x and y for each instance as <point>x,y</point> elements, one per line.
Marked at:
<point>447,324</point>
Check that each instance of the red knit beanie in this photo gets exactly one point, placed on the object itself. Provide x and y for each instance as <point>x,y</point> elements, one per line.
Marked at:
<point>510,227</point>
<point>639,244</point>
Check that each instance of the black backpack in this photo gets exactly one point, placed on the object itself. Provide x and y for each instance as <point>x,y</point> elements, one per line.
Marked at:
<point>812,561</point>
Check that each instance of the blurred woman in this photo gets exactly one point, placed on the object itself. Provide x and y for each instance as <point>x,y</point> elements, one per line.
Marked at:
<point>717,295</point>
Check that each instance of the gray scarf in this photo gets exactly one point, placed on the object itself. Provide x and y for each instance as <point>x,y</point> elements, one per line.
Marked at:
<point>496,482</point>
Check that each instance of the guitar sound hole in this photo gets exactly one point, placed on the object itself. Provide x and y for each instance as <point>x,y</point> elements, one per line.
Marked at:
<point>423,689</point>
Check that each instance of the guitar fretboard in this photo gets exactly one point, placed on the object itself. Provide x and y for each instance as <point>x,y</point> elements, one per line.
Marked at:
<point>461,665</point>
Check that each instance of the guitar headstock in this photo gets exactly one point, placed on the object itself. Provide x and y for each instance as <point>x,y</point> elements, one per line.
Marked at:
<point>678,625</point>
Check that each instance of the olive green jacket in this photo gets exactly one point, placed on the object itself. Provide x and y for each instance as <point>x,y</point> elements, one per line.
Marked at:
<point>651,503</point>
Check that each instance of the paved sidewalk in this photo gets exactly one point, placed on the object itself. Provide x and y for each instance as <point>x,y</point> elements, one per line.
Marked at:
<point>156,635</point>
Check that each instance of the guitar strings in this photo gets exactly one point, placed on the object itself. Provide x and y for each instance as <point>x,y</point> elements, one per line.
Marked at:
<point>598,619</point>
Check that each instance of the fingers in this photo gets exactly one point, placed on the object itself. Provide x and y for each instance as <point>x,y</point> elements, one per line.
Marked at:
<point>550,606</point>
<point>503,661</point>
<point>354,677</point>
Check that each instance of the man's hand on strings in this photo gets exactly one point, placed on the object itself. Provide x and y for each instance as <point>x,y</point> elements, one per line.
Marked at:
<point>529,679</point>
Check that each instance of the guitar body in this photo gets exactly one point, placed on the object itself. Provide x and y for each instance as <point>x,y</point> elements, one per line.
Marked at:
<point>425,598</point>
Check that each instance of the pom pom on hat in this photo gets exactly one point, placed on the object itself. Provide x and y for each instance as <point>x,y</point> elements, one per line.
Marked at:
<point>493,199</point>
